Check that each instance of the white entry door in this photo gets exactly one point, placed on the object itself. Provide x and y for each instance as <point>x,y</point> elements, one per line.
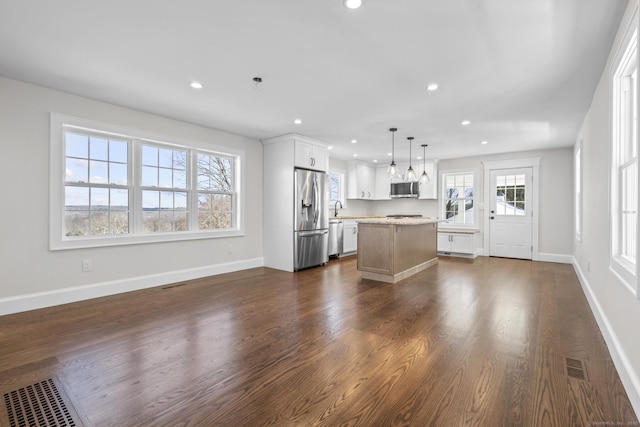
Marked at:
<point>510,217</point>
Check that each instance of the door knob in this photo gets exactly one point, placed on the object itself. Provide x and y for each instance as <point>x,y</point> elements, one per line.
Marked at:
<point>491,217</point>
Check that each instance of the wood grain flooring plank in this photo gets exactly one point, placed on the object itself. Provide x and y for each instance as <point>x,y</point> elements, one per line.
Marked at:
<point>466,342</point>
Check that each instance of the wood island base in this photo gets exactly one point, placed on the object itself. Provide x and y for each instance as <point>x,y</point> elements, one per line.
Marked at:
<point>391,250</point>
<point>399,276</point>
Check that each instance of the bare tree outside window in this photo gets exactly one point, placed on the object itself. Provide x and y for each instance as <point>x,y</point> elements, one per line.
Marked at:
<point>118,188</point>
<point>215,192</point>
<point>458,203</point>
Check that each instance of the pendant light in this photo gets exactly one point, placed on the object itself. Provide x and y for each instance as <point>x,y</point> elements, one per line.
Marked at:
<point>424,178</point>
<point>411,174</point>
<point>391,170</point>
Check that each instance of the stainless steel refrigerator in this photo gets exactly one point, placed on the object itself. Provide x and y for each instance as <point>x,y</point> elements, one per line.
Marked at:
<point>311,230</point>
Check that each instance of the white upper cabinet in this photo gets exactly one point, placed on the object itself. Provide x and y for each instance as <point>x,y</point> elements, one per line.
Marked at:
<point>361,181</point>
<point>383,183</point>
<point>310,156</point>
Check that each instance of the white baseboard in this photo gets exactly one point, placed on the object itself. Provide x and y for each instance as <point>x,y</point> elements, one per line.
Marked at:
<point>38,300</point>
<point>559,258</point>
<point>627,373</point>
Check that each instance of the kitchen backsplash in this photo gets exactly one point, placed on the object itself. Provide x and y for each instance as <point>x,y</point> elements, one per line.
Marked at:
<point>354,207</point>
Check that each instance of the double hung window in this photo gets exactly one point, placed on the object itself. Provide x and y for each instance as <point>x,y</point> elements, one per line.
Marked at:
<point>578,191</point>
<point>458,199</point>
<point>112,186</point>
<point>624,168</point>
<point>336,187</point>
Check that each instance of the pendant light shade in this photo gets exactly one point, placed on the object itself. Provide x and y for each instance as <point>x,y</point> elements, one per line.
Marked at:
<point>424,178</point>
<point>411,174</point>
<point>391,170</point>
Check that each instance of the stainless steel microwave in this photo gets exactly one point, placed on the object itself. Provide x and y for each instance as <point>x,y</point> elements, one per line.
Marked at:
<point>405,189</point>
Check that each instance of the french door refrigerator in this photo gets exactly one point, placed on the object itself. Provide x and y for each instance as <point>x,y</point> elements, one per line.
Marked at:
<point>311,230</point>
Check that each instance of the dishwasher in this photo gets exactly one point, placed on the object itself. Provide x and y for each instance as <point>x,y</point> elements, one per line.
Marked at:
<point>335,237</point>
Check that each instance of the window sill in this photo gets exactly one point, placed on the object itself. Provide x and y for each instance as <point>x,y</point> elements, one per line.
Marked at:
<point>108,241</point>
<point>624,271</point>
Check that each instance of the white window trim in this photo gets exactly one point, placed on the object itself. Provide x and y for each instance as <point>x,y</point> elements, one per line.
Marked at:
<point>57,240</point>
<point>343,188</point>
<point>476,187</point>
<point>578,156</point>
<point>625,271</point>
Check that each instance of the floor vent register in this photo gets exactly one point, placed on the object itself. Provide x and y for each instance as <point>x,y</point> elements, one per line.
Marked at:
<point>39,405</point>
<point>575,369</point>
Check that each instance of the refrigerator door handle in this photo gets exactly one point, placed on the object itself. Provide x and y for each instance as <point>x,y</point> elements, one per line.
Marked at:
<point>312,233</point>
<point>316,200</point>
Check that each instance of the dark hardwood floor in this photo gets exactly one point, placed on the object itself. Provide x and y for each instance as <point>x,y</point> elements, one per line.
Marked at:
<point>480,342</point>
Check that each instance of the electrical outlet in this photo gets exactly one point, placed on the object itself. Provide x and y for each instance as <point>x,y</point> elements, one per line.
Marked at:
<point>229,249</point>
<point>589,266</point>
<point>87,265</point>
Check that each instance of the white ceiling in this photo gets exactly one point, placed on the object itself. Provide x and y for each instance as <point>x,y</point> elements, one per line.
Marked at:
<point>522,71</point>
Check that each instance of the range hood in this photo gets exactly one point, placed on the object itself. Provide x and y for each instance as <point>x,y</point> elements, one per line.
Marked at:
<point>401,190</point>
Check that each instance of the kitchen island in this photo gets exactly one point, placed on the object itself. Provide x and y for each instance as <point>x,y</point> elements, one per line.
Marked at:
<point>392,249</point>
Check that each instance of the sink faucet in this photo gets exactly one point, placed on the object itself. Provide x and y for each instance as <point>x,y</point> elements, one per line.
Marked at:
<point>335,212</point>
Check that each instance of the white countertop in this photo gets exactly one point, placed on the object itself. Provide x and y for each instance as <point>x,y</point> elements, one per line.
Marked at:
<point>398,221</point>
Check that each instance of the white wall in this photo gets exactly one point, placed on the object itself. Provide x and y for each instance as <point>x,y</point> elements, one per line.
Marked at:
<point>556,197</point>
<point>616,309</point>
<point>31,275</point>
<point>556,194</point>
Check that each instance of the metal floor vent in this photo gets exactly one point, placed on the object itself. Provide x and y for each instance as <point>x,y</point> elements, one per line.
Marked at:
<point>575,369</point>
<point>38,405</point>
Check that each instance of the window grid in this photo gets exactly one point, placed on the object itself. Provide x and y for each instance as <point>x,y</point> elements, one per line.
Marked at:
<point>458,198</point>
<point>164,189</point>
<point>96,190</point>
<point>624,182</point>
<point>216,198</point>
<point>101,198</point>
<point>510,195</point>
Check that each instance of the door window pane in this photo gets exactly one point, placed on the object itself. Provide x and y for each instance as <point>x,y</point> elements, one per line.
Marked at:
<point>510,195</point>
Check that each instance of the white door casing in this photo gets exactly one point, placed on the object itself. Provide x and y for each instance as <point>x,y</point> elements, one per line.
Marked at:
<point>508,237</point>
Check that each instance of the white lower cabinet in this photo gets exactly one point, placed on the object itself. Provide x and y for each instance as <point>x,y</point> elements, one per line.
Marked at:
<point>457,243</point>
<point>349,236</point>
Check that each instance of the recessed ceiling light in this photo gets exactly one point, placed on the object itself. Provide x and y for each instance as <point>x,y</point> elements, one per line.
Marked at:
<point>355,155</point>
<point>419,158</point>
<point>484,142</point>
<point>196,85</point>
<point>375,161</point>
<point>297,121</point>
<point>465,123</point>
<point>330,147</point>
<point>353,4</point>
<point>432,86</point>
<point>388,154</point>
<point>354,141</point>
